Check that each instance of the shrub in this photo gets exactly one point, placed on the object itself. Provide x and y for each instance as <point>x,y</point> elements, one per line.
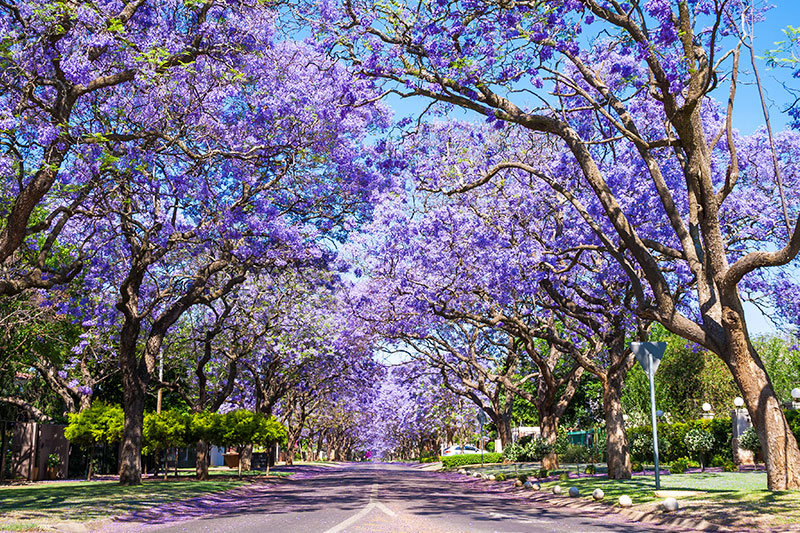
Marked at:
<point>500,477</point>
<point>562,441</point>
<point>730,466</point>
<point>513,452</point>
<point>53,460</point>
<point>718,460</point>
<point>454,461</point>
<point>679,466</point>
<point>575,453</point>
<point>428,459</point>
<point>590,469</point>
<point>672,439</point>
<point>542,473</point>
<point>564,476</point>
<point>536,449</point>
<point>523,477</point>
<point>636,466</point>
<point>749,440</point>
<point>698,440</point>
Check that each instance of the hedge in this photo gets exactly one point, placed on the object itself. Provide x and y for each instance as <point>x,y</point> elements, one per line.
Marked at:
<point>454,461</point>
<point>672,440</point>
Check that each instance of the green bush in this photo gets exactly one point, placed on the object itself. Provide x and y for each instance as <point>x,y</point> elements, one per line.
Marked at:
<point>428,459</point>
<point>500,477</point>
<point>749,440</point>
<point>53,460</point>
<point>536,449</point>
<point>542,473</point>
<point>564,476</point>
<point>672,439</point>
<point>718,460</point>
<point>513,452</point>
<point>562,441</point>
<point>590,469</point>
<point>575,453</point>
<point>730,466</point>
<point>454,461</point>
<point>679,466</point>
<point>636,466</point>
<point>523,477</point>
<point>527,449</point>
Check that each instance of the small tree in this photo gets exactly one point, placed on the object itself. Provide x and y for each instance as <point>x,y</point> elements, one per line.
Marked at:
<point>99,423</point>
<point>243,427</point>
<point>699,441</point>
<point>164,430</point>
<point>206,428</point>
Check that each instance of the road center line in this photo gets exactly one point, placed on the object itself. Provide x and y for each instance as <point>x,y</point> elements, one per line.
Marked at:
<point>373,504</point>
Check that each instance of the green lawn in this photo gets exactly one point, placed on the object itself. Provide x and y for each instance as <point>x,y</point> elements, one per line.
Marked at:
<point>94,500</point>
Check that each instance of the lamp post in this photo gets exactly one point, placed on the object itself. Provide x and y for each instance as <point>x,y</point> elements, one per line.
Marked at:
<point>795,398</point>
<point>649,355</point>
<point>707,413</point>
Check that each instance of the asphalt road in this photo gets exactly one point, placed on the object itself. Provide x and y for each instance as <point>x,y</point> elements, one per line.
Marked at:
<point>378,498</point>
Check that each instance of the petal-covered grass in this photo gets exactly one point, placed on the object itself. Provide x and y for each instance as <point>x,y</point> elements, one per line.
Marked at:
<point>84,501</point>
<point>732,498</point>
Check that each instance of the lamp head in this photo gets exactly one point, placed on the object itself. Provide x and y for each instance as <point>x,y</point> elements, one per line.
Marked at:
<point>706,407</point>
<point>738,402</point>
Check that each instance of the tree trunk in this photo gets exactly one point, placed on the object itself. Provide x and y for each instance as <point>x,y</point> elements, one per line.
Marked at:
<point>130,468</point>
<point>617,456</point>
<point>89,469</point>
<point>503,424</point>
<point>549,426</point>
<point>201,461</point>
<point>291,447</point>
<point>246,457</point>
<point>781,454</point>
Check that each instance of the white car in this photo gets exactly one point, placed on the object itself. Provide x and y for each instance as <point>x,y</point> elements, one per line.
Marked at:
<point>456,450</point>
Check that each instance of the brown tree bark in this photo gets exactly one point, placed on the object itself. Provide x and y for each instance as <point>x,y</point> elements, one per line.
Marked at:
<point>617,456</point>
<point>201,462</point>
<point>778,444</point>
<point>549,426</point>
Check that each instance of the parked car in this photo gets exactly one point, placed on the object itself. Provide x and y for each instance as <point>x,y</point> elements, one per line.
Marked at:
<point>456,450</point>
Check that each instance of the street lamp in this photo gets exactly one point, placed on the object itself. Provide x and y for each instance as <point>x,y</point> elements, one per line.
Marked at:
<point>707,414</point>
<point>796,398</point>
<point>739,402</point>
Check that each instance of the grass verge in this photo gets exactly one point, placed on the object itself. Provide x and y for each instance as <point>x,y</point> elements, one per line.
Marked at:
<point>86,501</point>
<point>738,499</point>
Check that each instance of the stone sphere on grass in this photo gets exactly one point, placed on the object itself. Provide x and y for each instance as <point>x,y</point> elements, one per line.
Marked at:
<point>528,485</point>
<point>556,489</point>
<point>625,501</point>
<point>491,477</point>
<point>598,494</point>
<point>518,483</point>
<point>670,504</point>
<point>574,492</point>
<point>537,487</point>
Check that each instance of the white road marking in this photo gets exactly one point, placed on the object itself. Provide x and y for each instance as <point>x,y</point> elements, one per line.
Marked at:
<point>373,504</point>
